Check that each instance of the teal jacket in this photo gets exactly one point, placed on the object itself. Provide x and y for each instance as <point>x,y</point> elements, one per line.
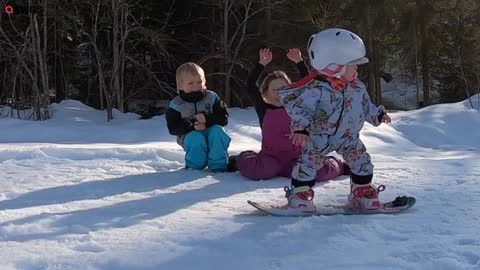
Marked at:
<point>182,109</point>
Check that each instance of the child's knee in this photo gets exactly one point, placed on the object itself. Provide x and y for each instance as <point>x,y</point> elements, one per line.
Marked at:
<point>217,137</point>
<point>216,129</point>
<point>194,138</point>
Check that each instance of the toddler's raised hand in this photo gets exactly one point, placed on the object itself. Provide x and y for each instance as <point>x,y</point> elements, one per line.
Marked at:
<point>265,56</point>
<point>295,55</point>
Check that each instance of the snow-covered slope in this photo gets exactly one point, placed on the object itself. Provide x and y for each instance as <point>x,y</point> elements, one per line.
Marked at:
<point>79,193</point>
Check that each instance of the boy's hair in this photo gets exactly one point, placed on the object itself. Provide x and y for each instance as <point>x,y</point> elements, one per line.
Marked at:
<point>277,74</point>
<point>189,68</point>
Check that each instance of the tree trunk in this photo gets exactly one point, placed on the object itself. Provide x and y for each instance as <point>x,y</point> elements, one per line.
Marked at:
<point>213,68</point>
<point>370,52</point>
<point>115,80</point>
<point>101,80</point>
<point>226,51</point>
<point>124,32</point>
<point>417,76</point>
<point>59,74</point>
<point>376,70</point>
<point>268,21</point>
<point>424,50</point>
<point>40,56</point>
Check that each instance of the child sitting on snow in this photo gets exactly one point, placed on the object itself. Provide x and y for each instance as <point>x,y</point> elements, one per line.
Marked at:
<point>196,116</point>
<point>278,155</point>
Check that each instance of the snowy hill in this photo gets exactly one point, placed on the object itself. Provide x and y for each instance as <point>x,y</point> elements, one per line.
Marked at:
<point>79,193</point>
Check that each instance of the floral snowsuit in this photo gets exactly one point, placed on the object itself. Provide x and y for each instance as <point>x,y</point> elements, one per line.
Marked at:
<point>333,120</point>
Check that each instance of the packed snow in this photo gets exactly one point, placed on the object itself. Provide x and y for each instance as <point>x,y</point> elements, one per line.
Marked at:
<point>77,192</point>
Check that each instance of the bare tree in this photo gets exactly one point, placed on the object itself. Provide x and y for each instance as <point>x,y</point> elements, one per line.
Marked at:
<point>113,31</point>
<point>58,53</point>
<point>120,30</point>
<point>467,52</point>
<point>425,9</point>
<point>28,45</point>
<point>322,13</point>
<point>235,19</point>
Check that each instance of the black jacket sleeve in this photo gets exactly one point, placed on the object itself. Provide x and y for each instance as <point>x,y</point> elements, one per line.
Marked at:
<point>219,116</point>
<point>253,90</point>
<point>176,124</point>
<point>303,69</point>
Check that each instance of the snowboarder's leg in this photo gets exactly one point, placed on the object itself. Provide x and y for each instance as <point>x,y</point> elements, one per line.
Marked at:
<point>363,195</point>
<point>301,194</point>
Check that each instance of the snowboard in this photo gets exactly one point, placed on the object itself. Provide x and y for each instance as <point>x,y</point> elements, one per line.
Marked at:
<point>398,205</point>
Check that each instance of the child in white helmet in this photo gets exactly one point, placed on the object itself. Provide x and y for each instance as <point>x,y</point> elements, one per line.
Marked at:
<point>328,109</point>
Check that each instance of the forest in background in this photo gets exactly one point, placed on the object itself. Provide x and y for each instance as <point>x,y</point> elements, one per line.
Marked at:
<point>122,54</point>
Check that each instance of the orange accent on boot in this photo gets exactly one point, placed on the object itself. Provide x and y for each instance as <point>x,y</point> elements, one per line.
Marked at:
<point>365,192</point>
<point>306,195</point>
<point>368,192</point>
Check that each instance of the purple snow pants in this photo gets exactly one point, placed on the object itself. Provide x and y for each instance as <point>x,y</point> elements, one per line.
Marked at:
<point>264,165</point>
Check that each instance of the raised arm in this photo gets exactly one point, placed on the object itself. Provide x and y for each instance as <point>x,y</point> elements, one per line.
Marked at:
<point>253,91</point>
<point>295,55</point>
<point>265,57</point>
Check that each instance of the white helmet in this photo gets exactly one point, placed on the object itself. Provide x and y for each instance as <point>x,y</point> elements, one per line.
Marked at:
<point>335,46</point>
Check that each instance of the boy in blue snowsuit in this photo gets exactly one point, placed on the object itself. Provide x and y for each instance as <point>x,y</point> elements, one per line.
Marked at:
<point>197,116</point>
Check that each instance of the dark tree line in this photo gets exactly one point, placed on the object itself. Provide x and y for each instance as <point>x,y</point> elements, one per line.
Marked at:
<point>117,54</point>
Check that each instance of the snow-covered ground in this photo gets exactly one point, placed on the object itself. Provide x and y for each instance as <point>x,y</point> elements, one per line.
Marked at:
<point>79,193</point>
